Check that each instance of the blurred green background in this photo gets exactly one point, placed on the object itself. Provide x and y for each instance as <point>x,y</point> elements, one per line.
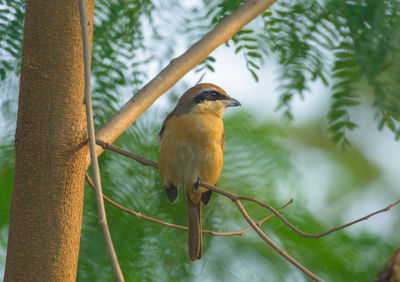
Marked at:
<point>329,68</point>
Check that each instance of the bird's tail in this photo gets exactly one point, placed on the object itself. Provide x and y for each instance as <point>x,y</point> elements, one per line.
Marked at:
<point>195,231</point>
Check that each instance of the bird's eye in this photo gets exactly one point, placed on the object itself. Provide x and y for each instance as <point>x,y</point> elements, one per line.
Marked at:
<point>213,93</point>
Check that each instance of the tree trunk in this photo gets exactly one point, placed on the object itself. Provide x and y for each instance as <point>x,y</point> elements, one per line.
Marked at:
<point>47,200</point>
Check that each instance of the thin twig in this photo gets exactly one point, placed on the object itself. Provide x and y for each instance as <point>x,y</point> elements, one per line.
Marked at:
<point>273,244</point>
<point>171,225</point>
<point>125,153</point>
<point>95,166</point>
<point>357,220</point>
<point>234,197</point>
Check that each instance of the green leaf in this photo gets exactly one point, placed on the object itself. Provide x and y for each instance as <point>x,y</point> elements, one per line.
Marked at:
<point>253,65</point>
<point>397,136</point>
<point>250,47</point>
<point>389,122</point>
<point>2,74</point>
<point>345,102</point>
<point>254,75</point>
<point>345,144</point>
<point>274,30</point>
<point>344,55</point>
<point>254,54</point>
<point>211,59</point>
<point>341,94</point>
<point>210,68</point>
<point>237,50</point>
<point>270,22</point>
<point>339,86</point>
<point>335,114</point>
<point>381,124</point>
<point>338,137</point>
<point>351,125</point>
<point>249,39</point>
<point>7,66</point>
<point>336,127</point>
<point>246,31</point>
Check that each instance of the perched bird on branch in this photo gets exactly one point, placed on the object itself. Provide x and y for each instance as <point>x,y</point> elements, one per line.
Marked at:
<point>191,149</point>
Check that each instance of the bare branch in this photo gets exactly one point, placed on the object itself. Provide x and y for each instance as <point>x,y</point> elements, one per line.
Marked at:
<point>125,153</point>
<point>245,215</point>
<point>171,225</point>
<point>95,166</point>
<point>273,245</point>
<point>178,67</point>
<point>234,197</point>
<point>356,221</point>
<point>243,212</point>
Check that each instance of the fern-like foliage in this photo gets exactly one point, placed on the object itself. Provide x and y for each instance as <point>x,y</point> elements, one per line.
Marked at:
<point>296,39</point>
<point>246,42</point>
<point>336,42</point>
<point>117,46</point>
<point>343,94</point>
<point>11,31</point>
<point>349,40</point>
<point>371,36</point>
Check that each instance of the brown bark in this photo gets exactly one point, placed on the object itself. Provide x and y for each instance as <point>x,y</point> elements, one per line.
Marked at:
<point>391,272</point>
<point>47,200</point>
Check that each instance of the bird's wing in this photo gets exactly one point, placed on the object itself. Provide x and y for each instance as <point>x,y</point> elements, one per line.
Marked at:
<point>159,136</point>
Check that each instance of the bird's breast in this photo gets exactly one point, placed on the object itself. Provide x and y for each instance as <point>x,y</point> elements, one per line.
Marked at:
<point>200,129</point>
<point>190,147</point>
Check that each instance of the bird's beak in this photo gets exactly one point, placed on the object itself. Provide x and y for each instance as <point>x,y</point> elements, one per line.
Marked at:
<point>232,103</point>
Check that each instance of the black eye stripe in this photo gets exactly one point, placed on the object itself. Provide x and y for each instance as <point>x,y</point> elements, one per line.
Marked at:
<point>209,95</point>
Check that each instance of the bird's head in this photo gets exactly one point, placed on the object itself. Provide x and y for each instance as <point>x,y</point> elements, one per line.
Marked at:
<point>206,98</point>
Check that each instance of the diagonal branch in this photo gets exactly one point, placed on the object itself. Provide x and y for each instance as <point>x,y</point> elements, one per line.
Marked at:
<point>245,215</point>
<point>176,226</point>
<point>95,166</point>
<point>234,197</point>
<point>177,68</point>
<point>273,244</point>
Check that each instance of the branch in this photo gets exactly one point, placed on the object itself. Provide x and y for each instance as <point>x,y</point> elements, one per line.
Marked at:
<point>224,193</point>
<point>171,225</point>
<point>273,245</point>
<point>242,210</point>
<point>234,197</point>
<point>95,166</point>
<point>177,68</point>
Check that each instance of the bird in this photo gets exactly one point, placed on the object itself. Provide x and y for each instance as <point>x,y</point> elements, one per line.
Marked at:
<point>192,141</point>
